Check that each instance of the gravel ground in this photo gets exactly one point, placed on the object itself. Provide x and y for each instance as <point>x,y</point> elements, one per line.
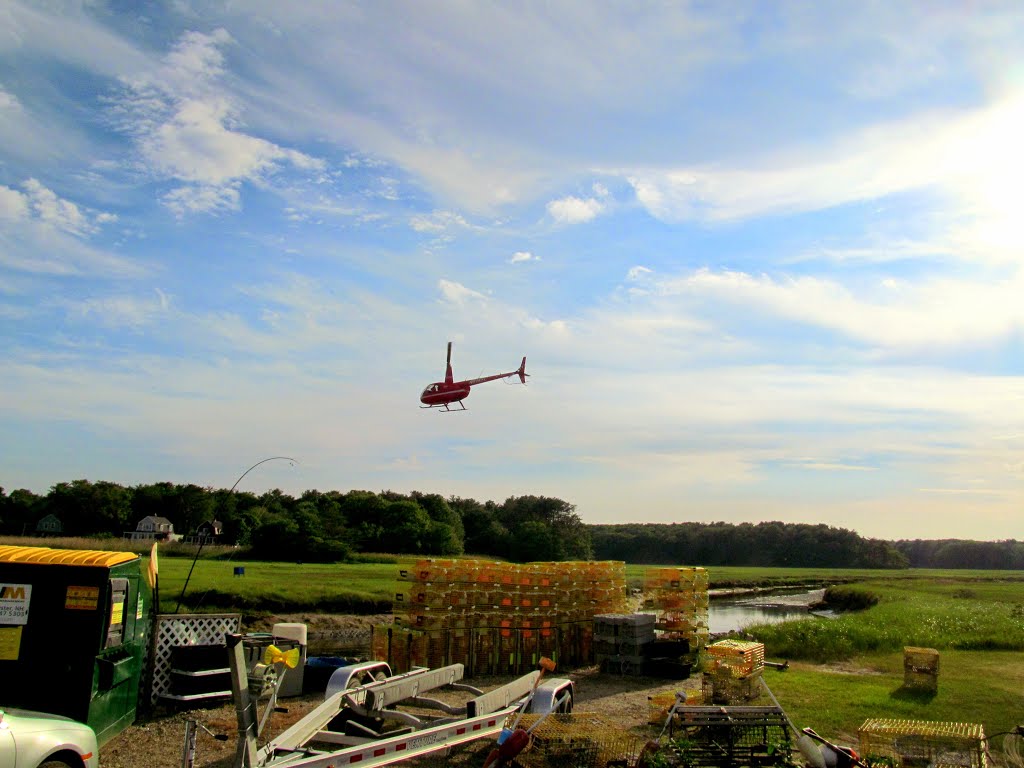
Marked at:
<point>159,741</point>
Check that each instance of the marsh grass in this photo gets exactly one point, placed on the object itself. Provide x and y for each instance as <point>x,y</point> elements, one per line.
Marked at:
<point>970,613</point>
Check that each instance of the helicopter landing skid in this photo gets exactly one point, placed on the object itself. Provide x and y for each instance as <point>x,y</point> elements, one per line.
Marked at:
<point>443,407</point>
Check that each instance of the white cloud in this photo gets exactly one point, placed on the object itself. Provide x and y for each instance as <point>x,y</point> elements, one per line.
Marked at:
<point>964,491</point>
<point>876,252</point>
<point>637,272</point>
<point>438,222</point>
<point>8,100</point>
<point>37,248</point>
<point>971,156</point>
<point>457,293</point>
<point>575,210</point>
<point>44,206</point>
<point>469,115</point>
<point>62,214</point>
<point>831,466</point>
<point>203,198</point>
<point>938,312</point>
<point>123,311</point>
<point>13,204</point>
<point>521,256</point>
<point>67,34</point>
<point>45,234</point>
<point>187,129</point>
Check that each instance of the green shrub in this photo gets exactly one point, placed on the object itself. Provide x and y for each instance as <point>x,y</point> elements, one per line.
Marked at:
<point>847,597</point>
<point>374,557</point>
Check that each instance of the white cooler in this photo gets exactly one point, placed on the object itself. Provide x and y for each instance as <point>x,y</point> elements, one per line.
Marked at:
<point>296,633</point>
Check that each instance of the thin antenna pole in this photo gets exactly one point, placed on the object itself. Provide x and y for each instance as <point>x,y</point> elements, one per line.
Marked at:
<point>201,543</point>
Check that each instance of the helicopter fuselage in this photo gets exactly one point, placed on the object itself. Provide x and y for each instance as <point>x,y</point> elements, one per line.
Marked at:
<point>442,393</point>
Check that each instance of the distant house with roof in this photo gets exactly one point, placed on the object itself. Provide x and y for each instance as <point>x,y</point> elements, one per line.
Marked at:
<point>49,526</point>
<point>154,528</point>
<point>208,532</point>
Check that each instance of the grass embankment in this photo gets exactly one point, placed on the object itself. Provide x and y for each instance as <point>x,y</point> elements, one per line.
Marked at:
<point>362,588</point>
<point>281,587</point>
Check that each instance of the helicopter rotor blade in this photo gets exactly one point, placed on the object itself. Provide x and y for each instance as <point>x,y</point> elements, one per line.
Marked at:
<point>448,377</point>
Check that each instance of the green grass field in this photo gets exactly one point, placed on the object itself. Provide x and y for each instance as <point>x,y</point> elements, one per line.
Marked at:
<point>835,699</point>
<point>267,586</point>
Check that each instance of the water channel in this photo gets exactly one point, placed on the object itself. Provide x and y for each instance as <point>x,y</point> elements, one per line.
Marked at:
<point>735,612</point>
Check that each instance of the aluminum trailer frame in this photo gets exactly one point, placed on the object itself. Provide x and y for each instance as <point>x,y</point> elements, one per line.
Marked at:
<point>358,693</point>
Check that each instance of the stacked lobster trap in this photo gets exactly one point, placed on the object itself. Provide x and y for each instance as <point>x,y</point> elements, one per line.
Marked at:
<point>497,618</point>
<point>678,597</point>
<point>732,671</point>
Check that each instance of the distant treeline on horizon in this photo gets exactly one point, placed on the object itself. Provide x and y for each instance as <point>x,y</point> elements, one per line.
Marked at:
<point>333,526</point>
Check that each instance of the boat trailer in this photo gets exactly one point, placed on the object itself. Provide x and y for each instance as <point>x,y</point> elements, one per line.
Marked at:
<point>359,721</point>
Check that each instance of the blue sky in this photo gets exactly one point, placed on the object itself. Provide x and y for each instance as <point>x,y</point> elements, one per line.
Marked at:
<point>765,260</point>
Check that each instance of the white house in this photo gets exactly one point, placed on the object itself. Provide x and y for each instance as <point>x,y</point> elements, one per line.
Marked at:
<point>153,528</point>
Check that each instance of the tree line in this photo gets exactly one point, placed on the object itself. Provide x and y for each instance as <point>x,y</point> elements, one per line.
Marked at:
<point>768,544</point>
<point>960,553</point>
<point>317,526</point>
<point>333,526</point>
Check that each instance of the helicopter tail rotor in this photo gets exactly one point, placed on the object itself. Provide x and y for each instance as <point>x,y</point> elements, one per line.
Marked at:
<point>522,371</point>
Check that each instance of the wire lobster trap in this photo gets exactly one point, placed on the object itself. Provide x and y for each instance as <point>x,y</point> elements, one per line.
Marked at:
<point>579,739</point>
<point>729,737</point>
<point>913,743</point>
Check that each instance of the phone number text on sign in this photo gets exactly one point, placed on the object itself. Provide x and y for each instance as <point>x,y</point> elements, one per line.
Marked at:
<point>14,601</point>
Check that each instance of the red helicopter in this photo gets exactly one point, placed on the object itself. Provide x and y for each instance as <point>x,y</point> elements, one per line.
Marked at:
<point>441,394</point>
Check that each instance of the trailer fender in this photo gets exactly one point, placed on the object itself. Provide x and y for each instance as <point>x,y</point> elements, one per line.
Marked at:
<point>355,675</point>
<point>556,694</point>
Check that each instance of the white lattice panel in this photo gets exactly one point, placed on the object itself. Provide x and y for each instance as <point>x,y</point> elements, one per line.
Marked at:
<point>176,629</point>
